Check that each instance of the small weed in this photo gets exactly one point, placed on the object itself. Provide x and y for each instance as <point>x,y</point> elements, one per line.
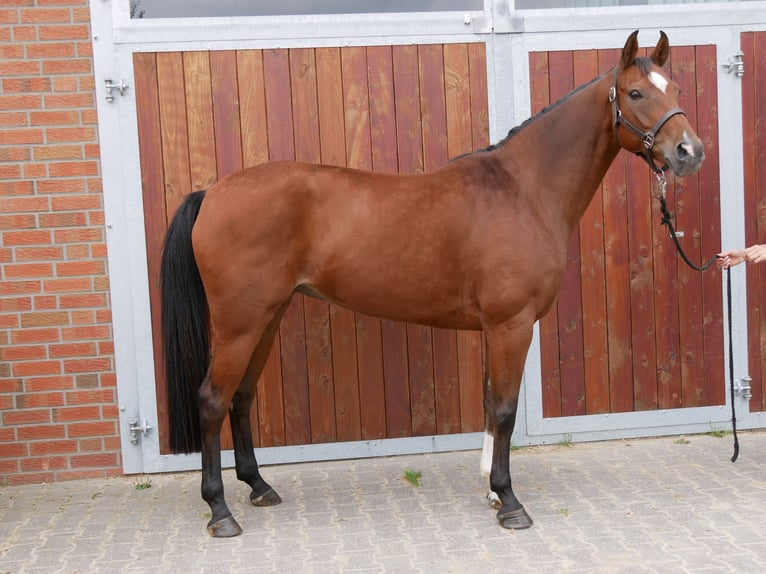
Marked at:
<point>682,440</point>
<point>566,440</point>
<point>206,515</point>
<point>413,476</point>
<point>142,483</point>
<point>716,432</point>
<point>563,511</point>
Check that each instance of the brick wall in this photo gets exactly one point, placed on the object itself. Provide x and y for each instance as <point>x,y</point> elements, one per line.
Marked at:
<point>58,398</point>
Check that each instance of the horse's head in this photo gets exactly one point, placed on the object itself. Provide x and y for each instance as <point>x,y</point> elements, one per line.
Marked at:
<point>645,112</point>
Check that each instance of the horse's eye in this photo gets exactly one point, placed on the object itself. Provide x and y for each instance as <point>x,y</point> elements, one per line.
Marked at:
<point>634,95</point>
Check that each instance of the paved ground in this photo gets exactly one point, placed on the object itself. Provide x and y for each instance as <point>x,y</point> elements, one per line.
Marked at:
<point>652,505</point>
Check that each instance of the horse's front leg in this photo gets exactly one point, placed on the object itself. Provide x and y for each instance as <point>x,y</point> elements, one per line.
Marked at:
<point>507,348</point>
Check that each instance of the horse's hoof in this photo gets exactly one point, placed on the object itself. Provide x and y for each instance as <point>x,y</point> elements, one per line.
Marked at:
<point>224,528</point>
<point>268,498</point>
<point>514,519</point>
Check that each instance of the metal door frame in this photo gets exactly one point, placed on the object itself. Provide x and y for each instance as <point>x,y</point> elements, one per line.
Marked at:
<point>508,37</point>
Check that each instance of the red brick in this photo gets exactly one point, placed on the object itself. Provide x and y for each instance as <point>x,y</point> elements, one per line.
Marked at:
<point>45,303</point>
<point>76,430</point>
<point>9,16</point>
<point>26,417</point>
<point>16,304</point>
<point>35,170</point>
<point>19,68</point>
<point>68,66</point>
<point>61,186</point>
<point>82,300</point>
<point>44,319</point>
<point>76,202</point>
<point>36,237</point>
<point>53,447</point>
<point>79,100</point>
<point>86,333</point>
<point>68,135</point>
<point>78,251</point>
<point>78,413</point>
<point>27,335</point>
<point>51,50</point>
<point>9,385</point>
<point>23,353</point>
<point>45,15</point>
<point>16,153</point>
<point>58,152</point>
<point>80,15</point>
<point>39,253</point>
<point>10,321</point>
<point>63,475</point>
<point>18,479</point>
<point>10,171</point>
<point>20,204</point>
<point>83,316</point>
<point>92,150</point>
<point>11,51</point>
<point>72,350</point>
<point>75,32</point>
<point>13,449</point>
<point>104,316</point>
<point>24,33</point>
<point>69,284</point>
<point>29,270</point>
<point>65,84</point>
<point>40,432</point>
<point>63,219</point>
<point>73,268</point>
<point>40,400</point>
<point>15,119</point>
<point>72,168</point>
<point>23,136</point>
<point>44,463</point>
<point>90,397</point>
<point>86,365</point>
<point>99,460</point>
<point>61,383</point>
<point>96,217</point>
<point>22,187</point>
<point>54,117</point>
<point>26,85</point>
<point>19,221</point>
<point>34,368</point>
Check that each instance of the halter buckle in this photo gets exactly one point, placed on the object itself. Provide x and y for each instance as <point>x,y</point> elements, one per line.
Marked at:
<point>648,140</point>
<point>612,94</point>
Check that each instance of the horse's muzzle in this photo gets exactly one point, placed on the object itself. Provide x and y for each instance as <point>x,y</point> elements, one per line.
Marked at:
<point>686,157</point>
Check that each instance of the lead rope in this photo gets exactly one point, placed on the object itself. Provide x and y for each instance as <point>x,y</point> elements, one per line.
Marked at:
<point>667,221</point>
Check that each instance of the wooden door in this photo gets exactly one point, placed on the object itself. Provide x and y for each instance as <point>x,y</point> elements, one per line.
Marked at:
<point>754,166</point>
<point>333,375</point>
<point>634,328</point>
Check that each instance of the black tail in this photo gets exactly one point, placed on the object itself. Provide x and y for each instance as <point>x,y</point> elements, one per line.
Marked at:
<point>186,339</point>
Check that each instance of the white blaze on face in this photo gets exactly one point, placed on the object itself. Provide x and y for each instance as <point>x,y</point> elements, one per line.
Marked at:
<point>659,81</point>
<point>485,466</point>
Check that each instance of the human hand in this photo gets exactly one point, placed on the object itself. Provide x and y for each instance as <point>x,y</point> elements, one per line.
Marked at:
<point>730,258</point>
<point>755,253</point>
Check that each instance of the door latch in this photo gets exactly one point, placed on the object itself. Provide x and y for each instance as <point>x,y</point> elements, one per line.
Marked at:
<point>742,387</point>
<point>120,86</point>
<point>135,429</point>
<point>735,65</point>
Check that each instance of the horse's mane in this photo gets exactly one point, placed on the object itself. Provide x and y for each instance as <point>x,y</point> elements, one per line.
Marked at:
<point>643,63</point>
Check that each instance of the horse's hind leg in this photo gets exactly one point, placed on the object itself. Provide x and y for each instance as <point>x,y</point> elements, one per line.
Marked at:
<point>233,343</point>
<point>507,351</point>
<point>262,493</point>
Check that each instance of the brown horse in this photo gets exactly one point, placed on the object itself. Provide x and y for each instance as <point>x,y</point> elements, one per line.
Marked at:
<point>479,244</point>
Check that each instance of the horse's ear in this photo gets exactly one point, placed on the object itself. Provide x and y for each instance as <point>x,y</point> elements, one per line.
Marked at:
<point>661,50</point>
<point>629,51</point>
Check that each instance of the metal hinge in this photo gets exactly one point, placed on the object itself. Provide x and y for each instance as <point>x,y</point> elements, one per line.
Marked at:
<point>135,429</point>
<point>735,65</point>
<point>120,86</point>
<point>742,387</point>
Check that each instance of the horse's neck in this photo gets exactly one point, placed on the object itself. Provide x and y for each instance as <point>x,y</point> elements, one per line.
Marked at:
<point>574,146</point>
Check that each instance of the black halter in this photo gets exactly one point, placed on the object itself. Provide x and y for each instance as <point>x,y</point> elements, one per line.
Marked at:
<point>646,137</point>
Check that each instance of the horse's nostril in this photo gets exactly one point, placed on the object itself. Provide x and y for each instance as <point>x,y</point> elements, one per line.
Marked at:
<point>682,150</point>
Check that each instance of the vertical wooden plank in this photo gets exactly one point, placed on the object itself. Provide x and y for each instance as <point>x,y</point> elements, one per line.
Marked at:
<point>539,85</point>
<point>477,63</point>
<point>433,112</point>
<point>759,211</point>
<point>688,220</point>
<point>252,107</point>
<point>593,274</point>
<point>356,97</point>
<point>155,221</point>
<point>616,268</point>
<point>199,115</point>
<point>460,141</point>
<point>175,137</point>
<point>342,321</point>
<point>295,382</point>
<point>228,139</point>
<point>570,296</point>
<point>710,213</point>
<point>279,124</point>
